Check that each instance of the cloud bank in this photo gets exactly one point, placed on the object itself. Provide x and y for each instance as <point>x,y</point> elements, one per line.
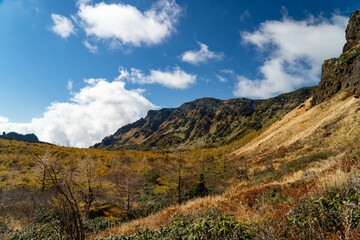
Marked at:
<point>201,56</point>
<point>295,50</point>
<point>174,78</point>
<point>95,111</point>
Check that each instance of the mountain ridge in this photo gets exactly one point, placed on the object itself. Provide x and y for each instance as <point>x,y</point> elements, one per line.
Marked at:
<point>31,137</point>
<point>204,122</point>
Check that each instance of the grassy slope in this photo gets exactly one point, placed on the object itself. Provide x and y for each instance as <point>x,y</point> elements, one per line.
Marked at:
<point>332,126</point>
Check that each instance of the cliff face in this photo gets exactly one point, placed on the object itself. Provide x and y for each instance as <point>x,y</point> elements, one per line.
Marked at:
<point>352,31</point>
<point>203,123</point>
<point>342,73</point>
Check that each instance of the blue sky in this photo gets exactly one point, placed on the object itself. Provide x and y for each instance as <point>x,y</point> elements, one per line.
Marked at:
<point>74,72</point>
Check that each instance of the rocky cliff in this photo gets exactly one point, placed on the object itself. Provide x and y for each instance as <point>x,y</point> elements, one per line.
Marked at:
<point>342,73</point>
<point>204,122</point>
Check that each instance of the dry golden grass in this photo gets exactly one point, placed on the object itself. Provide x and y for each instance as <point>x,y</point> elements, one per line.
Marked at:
<point>331,126</point>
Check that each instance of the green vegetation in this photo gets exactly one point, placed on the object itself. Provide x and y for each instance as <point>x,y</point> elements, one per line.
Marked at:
<point>208,225</point>
<point>335,214</point>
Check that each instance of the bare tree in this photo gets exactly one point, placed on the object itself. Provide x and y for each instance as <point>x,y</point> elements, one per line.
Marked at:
<point>65,199</point>
<point>125,181</point>
<point>179,167</point>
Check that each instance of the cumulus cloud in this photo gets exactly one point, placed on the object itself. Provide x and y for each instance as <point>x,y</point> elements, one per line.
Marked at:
<point>62,26</point>
<point>172,78</point>
<point>92,48</point>
<point>125,24</point>
<point>295,50</point>
<point>201,56</point>
<point>97,110</point>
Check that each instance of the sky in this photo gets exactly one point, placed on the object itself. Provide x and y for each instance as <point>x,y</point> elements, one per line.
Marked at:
<point>74,71</point>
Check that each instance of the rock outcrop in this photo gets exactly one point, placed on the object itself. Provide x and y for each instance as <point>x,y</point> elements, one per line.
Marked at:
<point>352,31</point>
<point>342,73</point>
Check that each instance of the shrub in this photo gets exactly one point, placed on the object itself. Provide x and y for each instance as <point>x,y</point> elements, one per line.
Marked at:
<point>99,224</point>
<point>209,225</point>
<point>335,214</point>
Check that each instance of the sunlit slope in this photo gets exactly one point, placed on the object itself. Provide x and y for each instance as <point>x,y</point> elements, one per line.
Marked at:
<point>332,126</point>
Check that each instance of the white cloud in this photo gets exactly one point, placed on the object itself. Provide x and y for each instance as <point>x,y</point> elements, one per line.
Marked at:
<point>295,50</point>
<point>221,78</point>
<point>3,120</point>
<point>173,78</point>
<point>92,48</point>
<point>125,24</point>
<point>227,71</point>
<point>62,26</point>
<point>201,56</point>
<point>97,110</point>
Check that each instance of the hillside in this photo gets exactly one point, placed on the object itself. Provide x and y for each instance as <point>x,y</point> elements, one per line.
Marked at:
<point>205,122</point>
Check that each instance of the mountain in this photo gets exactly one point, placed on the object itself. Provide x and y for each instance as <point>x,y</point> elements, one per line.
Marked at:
<point>205,122</point>
<point>22,137</point>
